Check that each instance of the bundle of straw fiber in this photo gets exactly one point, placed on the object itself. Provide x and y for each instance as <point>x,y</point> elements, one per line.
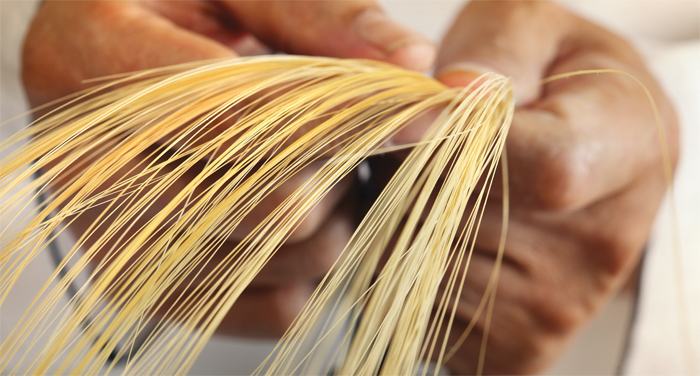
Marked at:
<point>244,127</point>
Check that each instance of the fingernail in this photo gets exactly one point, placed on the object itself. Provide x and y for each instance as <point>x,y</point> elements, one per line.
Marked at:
<point>462,74</point>
<point>400,45</point>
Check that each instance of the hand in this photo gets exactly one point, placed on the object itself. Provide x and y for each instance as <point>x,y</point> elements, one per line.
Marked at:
<point>586,177</point>
<point>70,41</point>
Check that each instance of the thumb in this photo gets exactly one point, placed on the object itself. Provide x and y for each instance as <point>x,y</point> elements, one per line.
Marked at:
<point>345,29</point>
<point>515,38</point>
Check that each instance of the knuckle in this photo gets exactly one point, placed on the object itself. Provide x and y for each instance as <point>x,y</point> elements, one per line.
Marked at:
<point>615,252</point>
<point>559,177</point>
<point>558,318</point>
<point>557,311</point>
<point>528,348</point>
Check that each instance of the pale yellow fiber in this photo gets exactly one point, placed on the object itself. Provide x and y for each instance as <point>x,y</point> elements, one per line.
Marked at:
<point>217,138</point>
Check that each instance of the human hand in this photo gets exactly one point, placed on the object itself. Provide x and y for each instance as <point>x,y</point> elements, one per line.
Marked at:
<point>585,170</point>
<point>71,41</point>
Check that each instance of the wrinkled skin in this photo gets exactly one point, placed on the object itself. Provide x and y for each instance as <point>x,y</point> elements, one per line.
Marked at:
<point>586,173</point>
<point>586,176</point>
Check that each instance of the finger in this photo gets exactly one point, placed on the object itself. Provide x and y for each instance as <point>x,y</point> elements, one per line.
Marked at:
<point>517,39</point>
<point>509,38</point>
<point>202,17</point>
<point>70,42</point>
<point>572,144</point>
<point>210,19</point>
<point>514,346</point>
<point>345,29</point>
<point>590,136</point>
